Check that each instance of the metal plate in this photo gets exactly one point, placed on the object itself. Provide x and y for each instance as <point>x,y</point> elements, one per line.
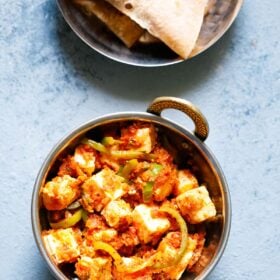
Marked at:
<point>221,15</point>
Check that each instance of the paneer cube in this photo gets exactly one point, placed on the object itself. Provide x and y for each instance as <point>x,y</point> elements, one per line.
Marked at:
<point>117,213</point>
<point>101,188</point>
<point>94,268</point>
<point>139,138</point>
<point>105,235</point>
<point>70,167</point>
<point>169,253</point>
<point>62,244</point>
<point>186,181</point>
<point>196,205</point>
<point>138,275</point>
<point>60,192</point>
<point>168,248</point>
<point>95,222</point>
<point>148,227</point>
<point>164,183</point>
<point>85,157</point>
<point>83,162</point>
<point>146,138</point>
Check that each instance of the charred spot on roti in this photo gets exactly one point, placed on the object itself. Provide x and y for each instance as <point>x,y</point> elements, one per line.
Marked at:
<point>128,6</point>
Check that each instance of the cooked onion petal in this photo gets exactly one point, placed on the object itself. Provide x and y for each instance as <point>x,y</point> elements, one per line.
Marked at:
<point>95,145</point>
<point>184,236</point>
<point>128,168</point>
<point>69,221</point>
<point>99,245</point>
<point>126,154</point>
<point>156,168</point>
<point>148,192</point>
<point>75,205</point>
<point>120,264</point>
<point>131,154</point>
<point>84,215</point>
<point>109,141</point>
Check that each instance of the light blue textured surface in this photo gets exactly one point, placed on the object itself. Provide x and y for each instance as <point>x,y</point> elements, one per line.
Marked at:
<point>51,82</point>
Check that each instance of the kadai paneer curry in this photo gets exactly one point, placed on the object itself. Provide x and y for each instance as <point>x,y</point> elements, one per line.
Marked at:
<point>121,208</point>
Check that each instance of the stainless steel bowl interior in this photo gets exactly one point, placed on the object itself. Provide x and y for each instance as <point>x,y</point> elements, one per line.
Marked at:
<point>189,152</point>
<point>216,22</point>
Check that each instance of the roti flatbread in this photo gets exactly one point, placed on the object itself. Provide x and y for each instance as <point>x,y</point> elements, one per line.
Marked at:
<point>147,38</point>
<point>175,22</point>
<point>121,25</point>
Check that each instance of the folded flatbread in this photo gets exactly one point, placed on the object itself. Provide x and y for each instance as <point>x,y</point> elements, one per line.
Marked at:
<point>175,22</point>
<point>121,25</point>
<point>147,38</point>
